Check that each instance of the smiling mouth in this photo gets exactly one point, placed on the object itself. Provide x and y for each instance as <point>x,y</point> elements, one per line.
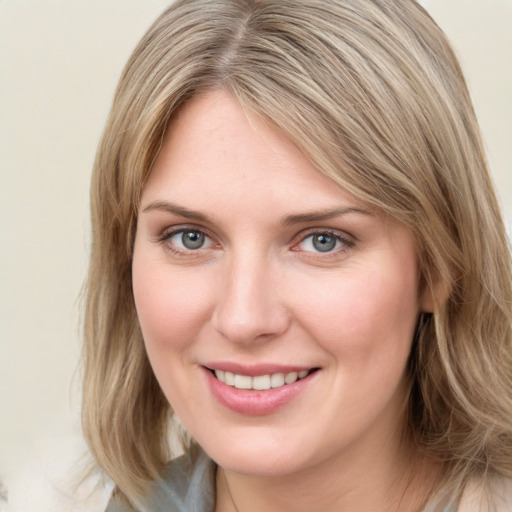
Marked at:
<point>261,382</point>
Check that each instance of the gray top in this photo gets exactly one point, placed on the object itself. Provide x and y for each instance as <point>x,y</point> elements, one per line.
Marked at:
<point>187,485</point>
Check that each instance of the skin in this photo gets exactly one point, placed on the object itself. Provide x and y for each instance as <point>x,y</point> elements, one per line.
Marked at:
<point>259,291</point>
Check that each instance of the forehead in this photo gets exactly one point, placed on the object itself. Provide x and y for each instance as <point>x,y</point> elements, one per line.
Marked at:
<point>214,149</point>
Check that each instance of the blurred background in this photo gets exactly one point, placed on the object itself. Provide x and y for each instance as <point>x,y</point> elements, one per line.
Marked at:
<point>59,64</point>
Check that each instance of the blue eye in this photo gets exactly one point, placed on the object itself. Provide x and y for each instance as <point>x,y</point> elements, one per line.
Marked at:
<point>192,239</point>
<point>322,242</point>
<point>189,240</point>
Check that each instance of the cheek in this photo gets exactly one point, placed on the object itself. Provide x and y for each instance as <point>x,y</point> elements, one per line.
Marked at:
<point>171,307</point>
<point>362,314</point>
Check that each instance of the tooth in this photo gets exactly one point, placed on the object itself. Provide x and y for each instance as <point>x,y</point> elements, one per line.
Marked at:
<point>277,380</point>
<point>261,382</point>
<point>291,377</point>
<point>243,382</point>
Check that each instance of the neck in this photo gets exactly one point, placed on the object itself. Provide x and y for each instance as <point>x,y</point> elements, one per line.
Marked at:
<point>388,480</point>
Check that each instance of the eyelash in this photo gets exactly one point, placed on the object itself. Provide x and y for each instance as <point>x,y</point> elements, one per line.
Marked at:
<point>343,240</point>
<point>169,234</point>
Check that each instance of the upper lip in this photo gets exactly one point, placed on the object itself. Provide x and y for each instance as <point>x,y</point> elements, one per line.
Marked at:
<point>253,370</point>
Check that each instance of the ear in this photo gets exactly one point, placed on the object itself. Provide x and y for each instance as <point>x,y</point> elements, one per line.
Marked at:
<point>427,301</point>
<point>432,296</point>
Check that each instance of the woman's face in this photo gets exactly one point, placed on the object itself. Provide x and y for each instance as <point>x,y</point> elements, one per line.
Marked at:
<point>277,310</point>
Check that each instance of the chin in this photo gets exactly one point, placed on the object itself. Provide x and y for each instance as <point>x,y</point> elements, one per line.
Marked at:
<point>264,457</point>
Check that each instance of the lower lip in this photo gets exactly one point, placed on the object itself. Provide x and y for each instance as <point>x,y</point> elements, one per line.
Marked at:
<point>256,403</point>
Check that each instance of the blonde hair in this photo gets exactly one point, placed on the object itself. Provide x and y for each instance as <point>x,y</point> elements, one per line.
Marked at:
<point>372,93</point>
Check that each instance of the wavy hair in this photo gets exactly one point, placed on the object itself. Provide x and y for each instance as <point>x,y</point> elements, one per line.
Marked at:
<point>373,95</point>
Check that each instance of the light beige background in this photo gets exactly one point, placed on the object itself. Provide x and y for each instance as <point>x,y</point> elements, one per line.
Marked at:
<point>59,63</point>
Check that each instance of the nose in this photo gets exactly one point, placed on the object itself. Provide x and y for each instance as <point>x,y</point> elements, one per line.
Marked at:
<point>249,307</point>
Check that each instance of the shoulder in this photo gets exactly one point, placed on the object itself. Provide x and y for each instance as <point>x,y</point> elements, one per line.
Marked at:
<point>54,472</point>
<point>187,483</point>
<point>496,496</point>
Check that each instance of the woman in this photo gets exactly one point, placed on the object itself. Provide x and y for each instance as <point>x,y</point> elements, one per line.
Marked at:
<point>297,249</point>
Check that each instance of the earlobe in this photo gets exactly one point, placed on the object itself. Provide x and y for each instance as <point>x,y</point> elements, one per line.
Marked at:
<point>428,303</point>
<point>433,296</point>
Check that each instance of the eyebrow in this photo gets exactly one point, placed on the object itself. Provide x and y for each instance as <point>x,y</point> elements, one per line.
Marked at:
<point>288,220</point>
<point>301,218</point>
<point>166,206</point>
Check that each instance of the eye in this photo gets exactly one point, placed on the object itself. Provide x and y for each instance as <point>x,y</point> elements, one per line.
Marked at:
<point>323,242</point>
<point>187,239</point>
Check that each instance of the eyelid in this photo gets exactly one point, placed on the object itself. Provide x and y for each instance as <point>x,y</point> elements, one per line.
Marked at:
<point>179,228</point>
<point>174,230</point>
<point>348,241</point>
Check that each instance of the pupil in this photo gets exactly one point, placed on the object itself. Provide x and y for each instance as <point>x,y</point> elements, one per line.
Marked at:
<point>324,243</point>
<point>192,239</point>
